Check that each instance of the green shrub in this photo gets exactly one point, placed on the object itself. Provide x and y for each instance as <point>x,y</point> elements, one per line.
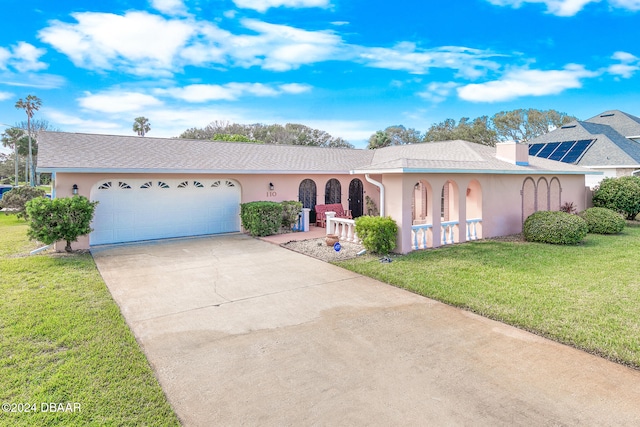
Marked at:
<point>66,219</point>
<point>261,218</point>
<point>290,211</point>
<point>620,195</point>
<point>555,227</point>
<point>16,199</point>
<point>378,234</point>
<point>603,221</point>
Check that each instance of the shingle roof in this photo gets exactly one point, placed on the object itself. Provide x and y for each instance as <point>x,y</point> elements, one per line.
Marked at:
<point>76,152</point>
<point>609,129</point>
<point>624,123</point>
<point>461,156</point>
<point>59,150</point>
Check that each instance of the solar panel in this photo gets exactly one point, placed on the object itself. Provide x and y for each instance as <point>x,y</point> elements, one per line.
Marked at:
<point>562,149</point>
<point>577,151</point>
<point>534,148</point>
<point>547,150</point>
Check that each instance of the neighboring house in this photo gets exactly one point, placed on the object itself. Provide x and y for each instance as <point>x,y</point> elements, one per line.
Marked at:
<point>438,193</point>
<point>608,142</point>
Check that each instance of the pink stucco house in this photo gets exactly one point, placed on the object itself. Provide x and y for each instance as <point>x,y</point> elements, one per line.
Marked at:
<point>438,193</point>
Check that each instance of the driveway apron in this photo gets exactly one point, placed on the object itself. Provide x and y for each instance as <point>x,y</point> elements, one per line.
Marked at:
<point>244,332</point>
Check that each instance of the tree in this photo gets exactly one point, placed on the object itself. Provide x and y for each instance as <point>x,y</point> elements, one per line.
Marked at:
<point>231,138</point>
<point>11,138</point>
<point>141,126</point>
<point>289,134</point>
<point>524,125</point>
<point>65,218</point>
<point>394,135</point>
<point>619,194</point>
<point>17,198</point>
<point>380,139</point>
<point>31,104</point>
<point>478,131</point>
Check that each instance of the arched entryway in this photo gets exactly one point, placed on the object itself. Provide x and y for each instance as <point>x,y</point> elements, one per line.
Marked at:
<point>356,196</point>
<point>529,204</point>
<point>307,194</point>
<point>332,192</point>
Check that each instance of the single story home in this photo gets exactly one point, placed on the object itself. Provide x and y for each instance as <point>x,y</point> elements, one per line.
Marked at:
<point>438,193</point>
<point>608,142</point>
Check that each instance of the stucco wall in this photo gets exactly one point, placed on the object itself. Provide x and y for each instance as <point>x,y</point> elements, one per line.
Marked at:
<point>253,187</point>
<point>500,203</point>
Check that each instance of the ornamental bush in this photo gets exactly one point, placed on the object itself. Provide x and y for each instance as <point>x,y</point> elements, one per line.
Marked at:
<point>554,227</point>
<point>603,221</point>
<point>378,234</point>
<point>68,218</point>
<point>17,198</point>
<point>620,195</point>
<point>261,218</point>
<point>290,211</point>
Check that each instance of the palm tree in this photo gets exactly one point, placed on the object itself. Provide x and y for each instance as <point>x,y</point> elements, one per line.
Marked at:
<point>31,104</point>
<point>11,138</point>
<point>141,126</point>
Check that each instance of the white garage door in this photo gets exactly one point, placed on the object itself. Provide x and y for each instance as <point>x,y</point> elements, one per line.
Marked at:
<point>132,210</point>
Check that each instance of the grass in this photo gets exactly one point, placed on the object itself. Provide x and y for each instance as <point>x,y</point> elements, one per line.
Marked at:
<point>587,296</point>
<point>63,340</point>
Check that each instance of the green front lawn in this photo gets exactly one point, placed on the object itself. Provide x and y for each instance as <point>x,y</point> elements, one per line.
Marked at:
<point>587,296</point>
<point>64,341</point>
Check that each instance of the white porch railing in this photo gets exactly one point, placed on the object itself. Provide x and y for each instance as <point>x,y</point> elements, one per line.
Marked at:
<point>447,229</point>
<point>419,235</point>
<point>344,228</point>
<point>472,228</point>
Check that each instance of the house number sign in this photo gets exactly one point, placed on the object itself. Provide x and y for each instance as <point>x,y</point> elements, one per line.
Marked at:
<point>271,194</point>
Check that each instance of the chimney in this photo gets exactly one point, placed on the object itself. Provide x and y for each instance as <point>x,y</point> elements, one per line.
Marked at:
<point>513,152</point>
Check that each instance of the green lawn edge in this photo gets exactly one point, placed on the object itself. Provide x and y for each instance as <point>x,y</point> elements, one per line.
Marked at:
<point>585,295</point>
<point>64,341</point>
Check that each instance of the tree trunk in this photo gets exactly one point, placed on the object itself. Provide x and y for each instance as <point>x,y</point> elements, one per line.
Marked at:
<point>68,247</point>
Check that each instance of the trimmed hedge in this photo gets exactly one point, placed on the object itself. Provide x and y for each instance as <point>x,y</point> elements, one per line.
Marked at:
<point>378,234</point>
<point>17,198</point>
<point>559,228</point>
<point>619,194</point>
<point>603,221</point>
<point>261,218</point>
<point>290,211</point>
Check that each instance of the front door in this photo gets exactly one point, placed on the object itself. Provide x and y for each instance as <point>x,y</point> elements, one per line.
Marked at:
<point>307,195</point>
<point>355,197</point>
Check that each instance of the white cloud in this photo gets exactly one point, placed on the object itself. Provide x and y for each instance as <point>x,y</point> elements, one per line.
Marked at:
<point>230,91</point>
<point>40,81</point>
<point>281,47</point>
<point>6,95</point>
<point>73,123</point>
<point>627,66</point>
<point>25,57</point>
<point>295,88</point>
<point>525,82</point>
<point>5,55</point>
<point>470,63</point>
<point>169,7</point>
<point>568,7</point>
<point>438,91</point>
<point>627,4</point>
<point>116,101</point>
<point>138,42</point>
<point>264,5</point>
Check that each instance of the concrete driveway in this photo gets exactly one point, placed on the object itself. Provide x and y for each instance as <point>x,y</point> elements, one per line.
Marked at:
<point>243,332</point>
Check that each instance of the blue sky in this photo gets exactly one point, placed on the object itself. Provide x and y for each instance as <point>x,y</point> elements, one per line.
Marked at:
<point>347,67</point>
